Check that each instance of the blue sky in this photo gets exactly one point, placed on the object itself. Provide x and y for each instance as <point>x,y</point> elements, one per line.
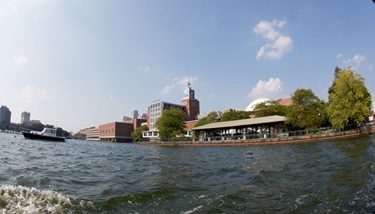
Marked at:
<point>77,64</point>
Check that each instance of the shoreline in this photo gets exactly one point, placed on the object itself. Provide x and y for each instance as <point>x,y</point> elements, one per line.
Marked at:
<point>258,142</point>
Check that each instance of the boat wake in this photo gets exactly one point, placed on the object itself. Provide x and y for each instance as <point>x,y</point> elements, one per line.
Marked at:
<point>19,199</point>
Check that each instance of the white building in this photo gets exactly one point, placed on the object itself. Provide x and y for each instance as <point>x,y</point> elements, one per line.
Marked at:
<point>155,110</point>
<point>91,133</point>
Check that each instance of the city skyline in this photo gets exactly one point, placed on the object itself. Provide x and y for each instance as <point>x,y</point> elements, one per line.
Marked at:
<point>79,64</point>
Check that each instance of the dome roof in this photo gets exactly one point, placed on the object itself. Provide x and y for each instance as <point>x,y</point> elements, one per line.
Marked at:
<point>252,105</point>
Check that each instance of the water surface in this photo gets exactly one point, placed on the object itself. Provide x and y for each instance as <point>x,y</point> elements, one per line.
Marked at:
<point>94,177</point>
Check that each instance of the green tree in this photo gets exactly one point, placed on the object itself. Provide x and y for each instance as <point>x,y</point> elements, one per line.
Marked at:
<point>349,99</point>
<point>269,108</point>
<point>210,118</point>
<point>137,134</point>
<point>235,115</point>
<point>171,123</point>
<point>306,110</point>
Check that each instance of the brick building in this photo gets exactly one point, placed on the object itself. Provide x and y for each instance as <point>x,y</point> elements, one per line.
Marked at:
<point>116,132</point>
<point>191,104</point>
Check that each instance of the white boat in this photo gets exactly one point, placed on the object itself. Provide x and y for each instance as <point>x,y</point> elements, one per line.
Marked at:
<point>46,134</point>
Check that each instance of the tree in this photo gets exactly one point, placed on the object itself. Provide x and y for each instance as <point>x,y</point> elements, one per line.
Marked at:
<point>171,123</point>
<point>269,108</point>
<point>137,134</point>
<point>306,110</point>
<point>349,99</point>
<point>210,118</point>
<point>234,115</point>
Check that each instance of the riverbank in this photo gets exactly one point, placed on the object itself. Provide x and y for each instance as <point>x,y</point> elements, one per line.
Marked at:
<point>272,141</point>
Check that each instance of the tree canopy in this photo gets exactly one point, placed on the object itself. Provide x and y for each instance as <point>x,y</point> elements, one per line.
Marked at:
<point>269,108</point>
<point>171,123</point>
<point>210,118</point>
<point>349,99</point>
<point>137,134</point>
<point>306,111</point>
<point>234,115</point>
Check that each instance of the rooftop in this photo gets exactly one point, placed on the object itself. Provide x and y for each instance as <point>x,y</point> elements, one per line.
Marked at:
<point>244,122</point>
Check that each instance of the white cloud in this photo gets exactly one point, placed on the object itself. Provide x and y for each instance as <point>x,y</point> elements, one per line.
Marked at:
<point>355,61</point>
<point>269,89</point>
<point>278,45</point>
<point>166,90</point>
<point>339,56</point>
<point>32,93</point>
<point>20,60</point>
<point>180,82</point>
<point>183,81</point>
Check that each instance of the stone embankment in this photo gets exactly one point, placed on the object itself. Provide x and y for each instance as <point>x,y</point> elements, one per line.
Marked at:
<point>271,141</point>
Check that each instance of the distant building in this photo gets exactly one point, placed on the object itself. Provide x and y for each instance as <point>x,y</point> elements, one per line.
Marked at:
<point>25,117</point>
<point>126,119</point>
<point>92,133</point>
<point>5,116</point>
<point>142,116</point>
<point>134,114</point>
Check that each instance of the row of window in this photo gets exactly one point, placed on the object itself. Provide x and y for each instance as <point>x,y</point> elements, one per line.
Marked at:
<point>107,131</point>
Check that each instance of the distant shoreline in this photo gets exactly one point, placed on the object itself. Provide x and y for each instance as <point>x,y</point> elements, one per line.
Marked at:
<point>272,141</point>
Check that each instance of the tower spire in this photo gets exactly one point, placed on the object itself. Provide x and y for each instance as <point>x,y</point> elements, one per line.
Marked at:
<point>188,79</point>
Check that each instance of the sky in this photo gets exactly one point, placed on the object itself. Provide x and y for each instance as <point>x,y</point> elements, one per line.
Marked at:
<point>77,64</point>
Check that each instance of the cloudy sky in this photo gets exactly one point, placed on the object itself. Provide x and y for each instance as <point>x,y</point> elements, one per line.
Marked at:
<point>77,64</point>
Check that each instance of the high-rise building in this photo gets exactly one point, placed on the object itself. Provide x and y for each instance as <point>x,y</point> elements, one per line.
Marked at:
<point>134,114</point>
<point>191,104</point>
<point>25,117</point>
<point>142,116</point>
<point>5,115</point>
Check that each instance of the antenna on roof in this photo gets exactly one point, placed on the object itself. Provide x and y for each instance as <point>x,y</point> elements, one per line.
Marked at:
<point>188,79</point>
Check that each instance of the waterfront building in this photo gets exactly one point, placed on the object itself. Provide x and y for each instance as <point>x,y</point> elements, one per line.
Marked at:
<point>116,132</point>
<point>155,110</point>
<point>25,117</point>
<point>5,116</point>
<point>92,133</point>
<point>189,104</point>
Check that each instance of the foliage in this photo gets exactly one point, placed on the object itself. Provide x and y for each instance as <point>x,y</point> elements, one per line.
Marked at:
<point>234,115</point>
<point>137,134</point>
<point>349,99</point>
<point>269,108</point>
<point>171,123</point>
<point>210,118</point>
<point>306,110</point>
<point>79,135</point>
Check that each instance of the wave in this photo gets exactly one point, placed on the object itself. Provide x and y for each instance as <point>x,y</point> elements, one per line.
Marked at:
<point>19,199</point>
<point>138,198</point>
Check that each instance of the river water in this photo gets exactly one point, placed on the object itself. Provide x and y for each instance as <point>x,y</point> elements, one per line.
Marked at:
<point>93,177</point>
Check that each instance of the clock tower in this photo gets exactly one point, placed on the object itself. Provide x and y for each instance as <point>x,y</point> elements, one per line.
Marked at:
<point>191,104</point>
